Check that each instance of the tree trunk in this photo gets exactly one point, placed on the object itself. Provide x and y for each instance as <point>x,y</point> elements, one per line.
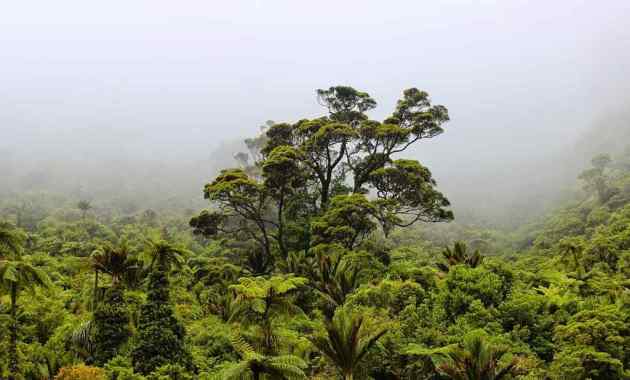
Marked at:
<point>13,357</point>
<point>283,249</point>
<point>324,199</point>
<point>348,376</point>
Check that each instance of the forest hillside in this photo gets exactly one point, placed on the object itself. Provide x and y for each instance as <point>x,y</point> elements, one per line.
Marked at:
<point>322,252</point>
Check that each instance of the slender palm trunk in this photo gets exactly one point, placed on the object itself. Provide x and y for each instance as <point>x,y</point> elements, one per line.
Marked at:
<point>348,376</point>
<point>13,357</point>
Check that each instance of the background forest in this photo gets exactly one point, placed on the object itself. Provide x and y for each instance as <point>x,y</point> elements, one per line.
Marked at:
<point>322,251</point>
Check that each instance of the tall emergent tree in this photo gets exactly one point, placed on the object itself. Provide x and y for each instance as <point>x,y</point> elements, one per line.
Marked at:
<point>111,317</point>
<point>84,206</point>
<point>596,180</point>
<point>338,175</point>
<point>160,333</point>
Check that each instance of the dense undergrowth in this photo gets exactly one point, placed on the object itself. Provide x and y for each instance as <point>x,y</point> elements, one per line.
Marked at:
<point>342,291</point>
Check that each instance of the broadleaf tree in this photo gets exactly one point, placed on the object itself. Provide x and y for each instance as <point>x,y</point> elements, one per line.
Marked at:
<point>336,177</point>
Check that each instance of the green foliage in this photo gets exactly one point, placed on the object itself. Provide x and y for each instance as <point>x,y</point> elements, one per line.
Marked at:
<point>11,240</point>
<point>407,194</point>
<point>160,339</point>
<point>348,339</point>
<point>594,344</point>
<point>117,262</point>
<point>163,256</point>
<point>595,180</point>
<point>306,265</point>
<point>255,366</point>
<point>266,298</point>
<point>120,368</point>
<point>460,255</point>
<point>474,359</point>
<point>15,276</point>
<point>391,296</point>
<point>170,372</point>
<point>111,324</point>
<point>465,285</point>
<point>262,302</point>
<point>300,183</point>
<point>346,222</point>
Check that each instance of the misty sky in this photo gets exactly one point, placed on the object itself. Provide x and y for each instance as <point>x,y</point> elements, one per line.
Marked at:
<point>173,79</point>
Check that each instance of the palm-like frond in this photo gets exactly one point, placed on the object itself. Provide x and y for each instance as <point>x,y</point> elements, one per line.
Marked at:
<point>162,254</point>
<point>83,338</point>
<point>287,367</point>
<point>261,301</point>
<point>117,262</point>
<point>335,279</point>
<point>346,341</point>
<point>474,360</point>
<point>22,275</point>
<point>268,297</point>
<point>225,306</point>
<point>459,255</point>
<point>11,239</point>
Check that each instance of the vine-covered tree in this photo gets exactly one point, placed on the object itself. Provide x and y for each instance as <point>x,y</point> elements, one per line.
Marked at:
<point>160,334</point>
<point>111,323</point>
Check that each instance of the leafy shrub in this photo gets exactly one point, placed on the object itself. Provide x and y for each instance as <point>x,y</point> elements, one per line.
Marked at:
<point>81,372</point>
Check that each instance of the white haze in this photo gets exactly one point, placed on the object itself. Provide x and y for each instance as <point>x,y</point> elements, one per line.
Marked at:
<point>135,96</point>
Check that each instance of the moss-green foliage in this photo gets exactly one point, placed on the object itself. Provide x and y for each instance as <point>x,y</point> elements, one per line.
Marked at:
<point>594,343</point>
<point>160,339</point>
<point>466,285</point>
<point>346,222</point>
<point>111,322</point>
